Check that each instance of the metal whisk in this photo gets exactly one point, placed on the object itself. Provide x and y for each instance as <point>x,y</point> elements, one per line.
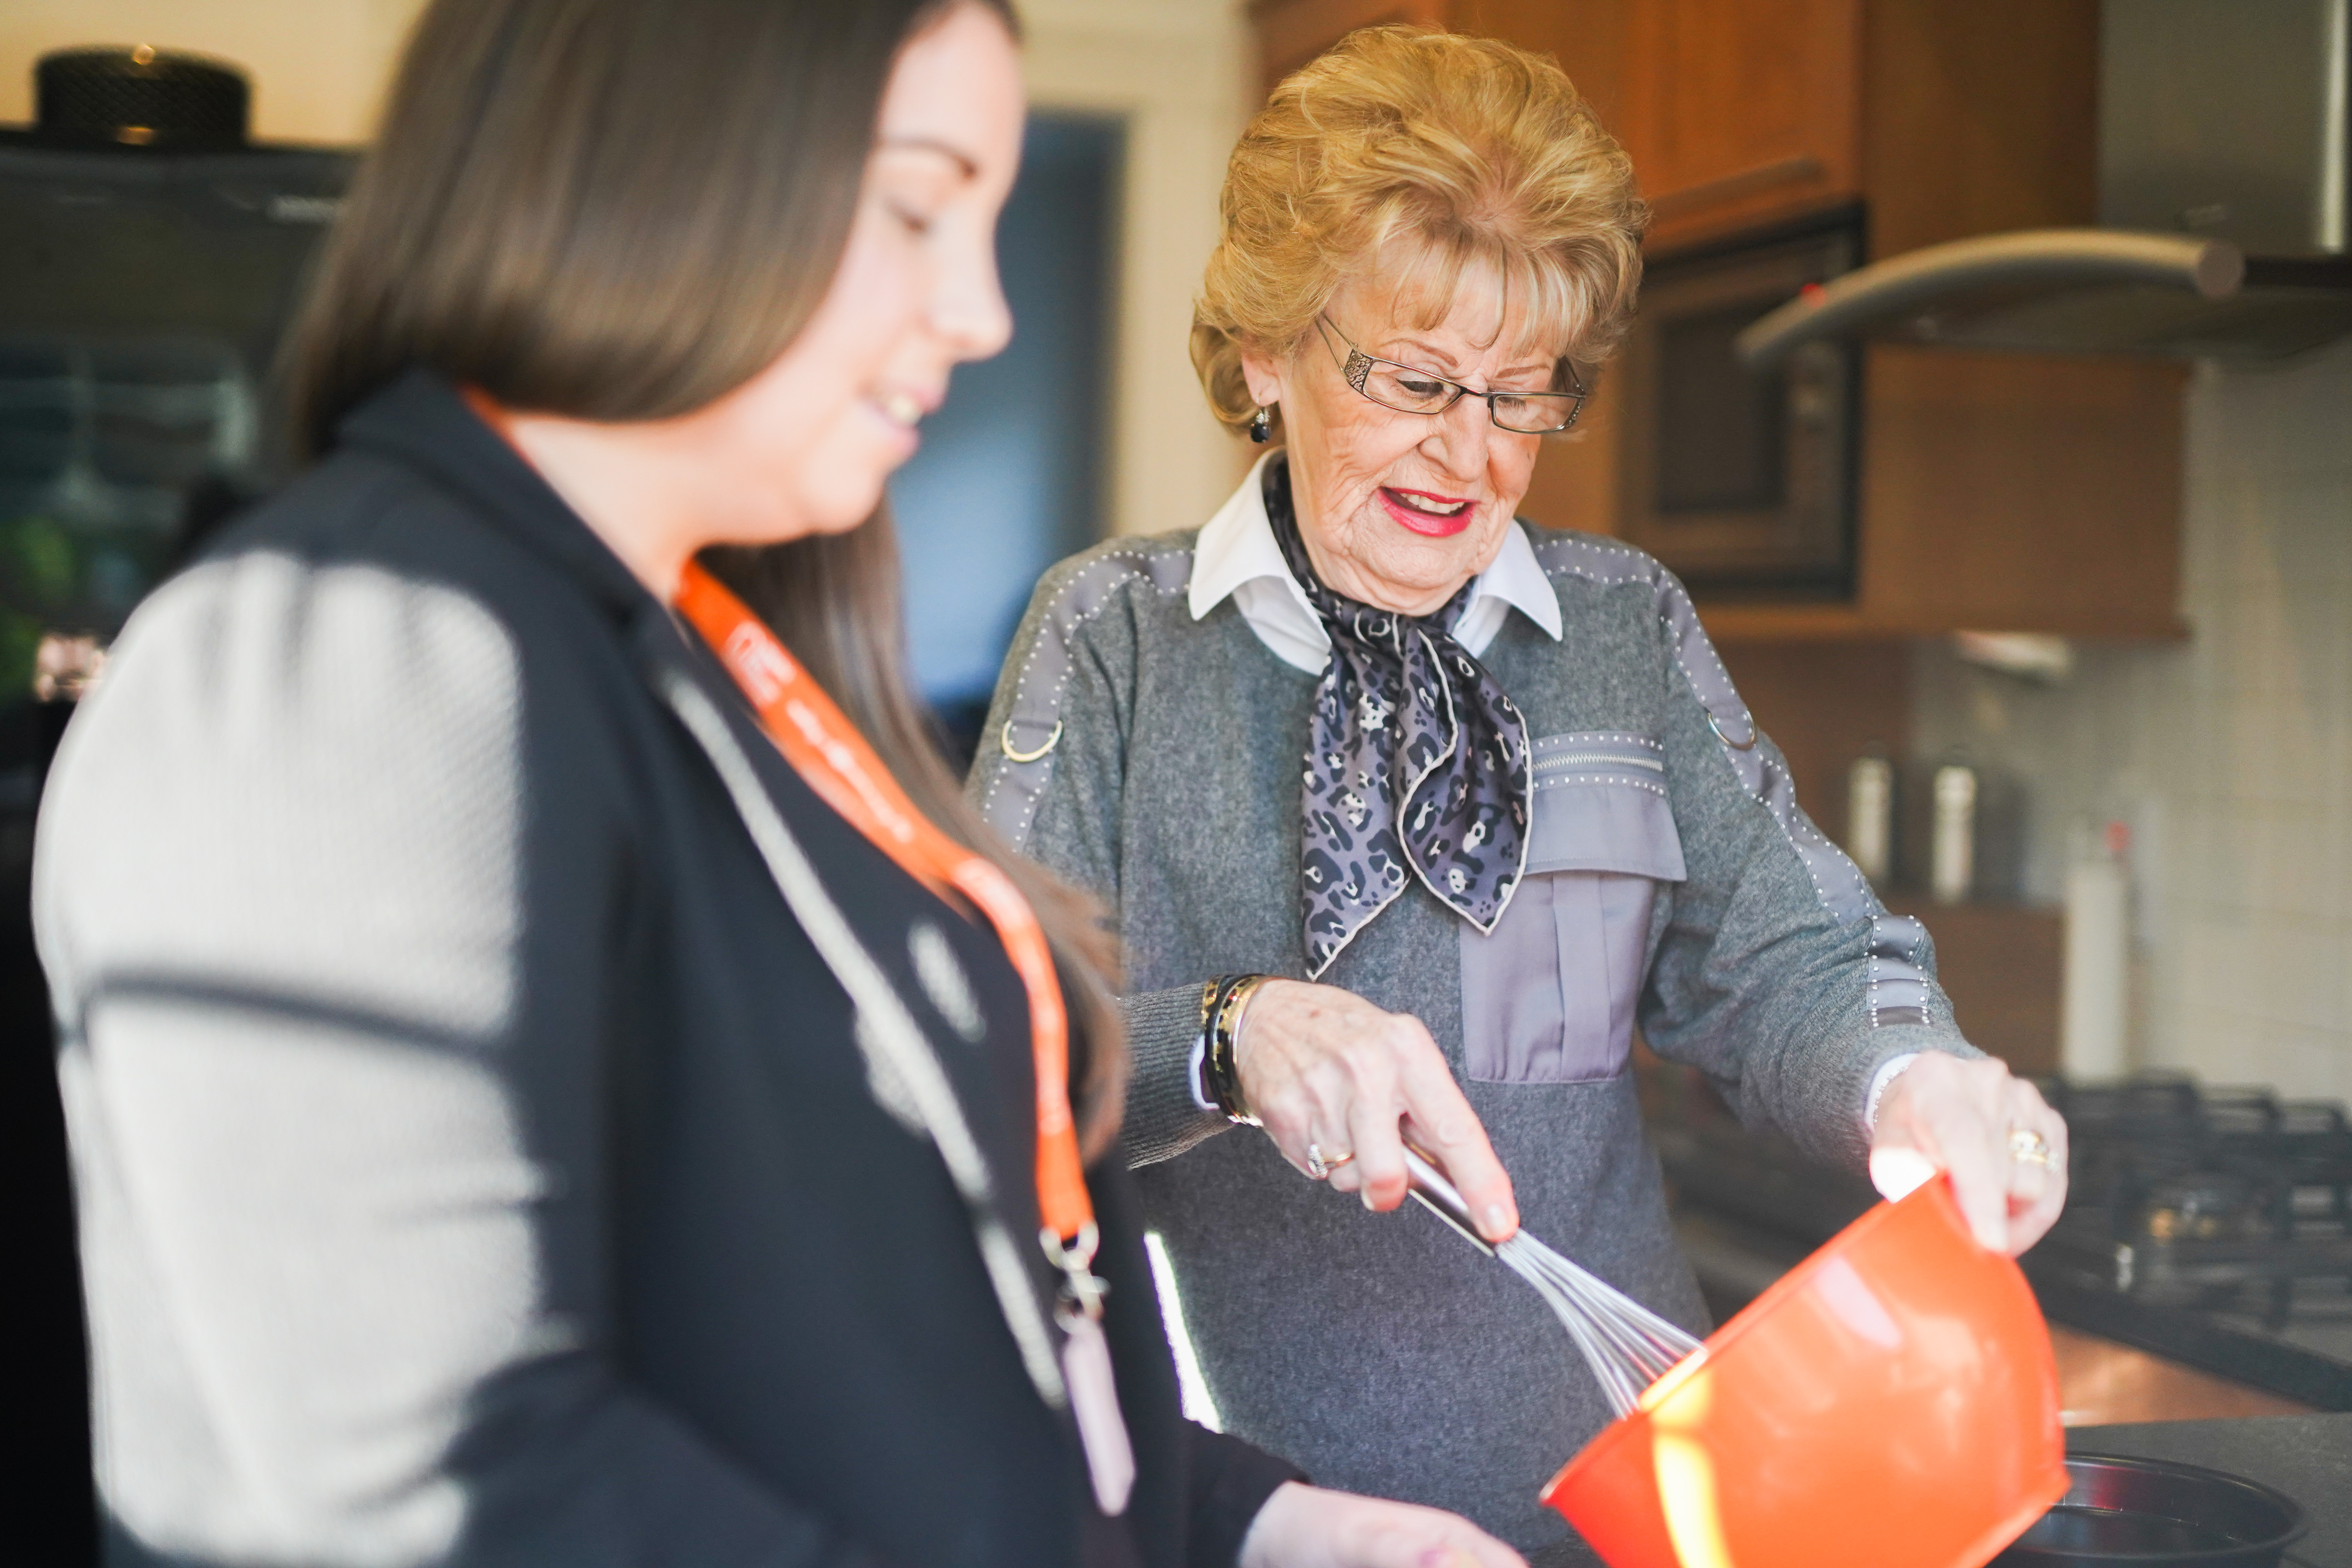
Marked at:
<point>1627,1346</point>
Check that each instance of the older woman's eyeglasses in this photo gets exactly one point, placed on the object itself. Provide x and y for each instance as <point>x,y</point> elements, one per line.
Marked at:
<point>1411,391</point>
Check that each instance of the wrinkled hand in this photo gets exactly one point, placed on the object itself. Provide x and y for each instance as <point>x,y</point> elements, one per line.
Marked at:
<point>1944,1113</point>
<point>1308,1527</point>
<point>1322,1066</point>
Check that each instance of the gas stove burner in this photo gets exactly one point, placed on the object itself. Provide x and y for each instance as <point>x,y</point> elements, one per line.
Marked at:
<point>2225,1199</point>
<point>2205,1206</point>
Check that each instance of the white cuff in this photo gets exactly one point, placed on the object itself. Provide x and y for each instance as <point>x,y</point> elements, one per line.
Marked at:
<point>1888,1071</point>
<point>1196,1076</point>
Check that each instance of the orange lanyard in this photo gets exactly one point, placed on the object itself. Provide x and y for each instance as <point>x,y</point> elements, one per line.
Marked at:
<point>835,760</point>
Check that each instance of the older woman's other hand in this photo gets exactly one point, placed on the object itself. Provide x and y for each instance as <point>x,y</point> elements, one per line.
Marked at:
<point>1325,1069</point>
<point>1975,1120</point>
<point>1309,1527</point>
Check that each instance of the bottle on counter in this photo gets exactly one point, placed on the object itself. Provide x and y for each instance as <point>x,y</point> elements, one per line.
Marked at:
<point>1952,846</point>
<point>1870,815</point>
<point>2094,989</point>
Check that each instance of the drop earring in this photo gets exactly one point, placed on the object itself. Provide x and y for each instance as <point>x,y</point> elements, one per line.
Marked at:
<point>1261,428</point>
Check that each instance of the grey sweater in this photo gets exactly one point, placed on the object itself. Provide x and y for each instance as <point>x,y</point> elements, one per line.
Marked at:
<point>1672,882</point>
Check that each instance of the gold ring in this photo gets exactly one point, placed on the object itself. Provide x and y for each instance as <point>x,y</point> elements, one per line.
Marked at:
<point>2027,1148</point>
<point>1320,1165</point>
<point>1004,743</point>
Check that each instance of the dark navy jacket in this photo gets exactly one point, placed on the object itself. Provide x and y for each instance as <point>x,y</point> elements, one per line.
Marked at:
<point>475,1159</point>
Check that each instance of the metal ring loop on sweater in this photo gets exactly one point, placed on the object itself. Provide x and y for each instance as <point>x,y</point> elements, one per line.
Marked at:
<point>1004,743</point>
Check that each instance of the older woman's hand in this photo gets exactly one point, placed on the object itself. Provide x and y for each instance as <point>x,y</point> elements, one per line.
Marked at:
<point>1312,1527</point>
<point>1322,1066</point>
<point>1947,1114</point>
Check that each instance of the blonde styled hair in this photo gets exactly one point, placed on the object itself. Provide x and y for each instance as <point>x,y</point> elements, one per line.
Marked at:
<point>1406,147</point>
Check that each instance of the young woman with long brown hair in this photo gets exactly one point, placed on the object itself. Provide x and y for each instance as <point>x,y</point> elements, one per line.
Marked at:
<point>556,1074</point>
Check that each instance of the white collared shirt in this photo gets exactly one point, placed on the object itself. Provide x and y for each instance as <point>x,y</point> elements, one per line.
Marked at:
<point>1236,557</point>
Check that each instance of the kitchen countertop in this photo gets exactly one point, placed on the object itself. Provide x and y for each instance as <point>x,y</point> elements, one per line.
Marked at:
<point>2241,1353</point>
<point>2308,1458</point>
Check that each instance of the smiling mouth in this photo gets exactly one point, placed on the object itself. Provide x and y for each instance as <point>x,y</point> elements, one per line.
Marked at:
<point>1438,517</point>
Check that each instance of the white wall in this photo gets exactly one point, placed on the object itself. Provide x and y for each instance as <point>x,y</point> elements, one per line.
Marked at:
<point>1178,72</point>
<point>318,65</point>
<point>2230,754</point>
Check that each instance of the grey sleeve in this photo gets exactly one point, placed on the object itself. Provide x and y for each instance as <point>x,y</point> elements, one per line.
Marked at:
<point>1778,970</point>
<point>1049,777</point>
<point>279,893</point>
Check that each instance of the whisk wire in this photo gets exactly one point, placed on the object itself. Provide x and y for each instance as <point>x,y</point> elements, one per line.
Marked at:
<point>1627,1346</point>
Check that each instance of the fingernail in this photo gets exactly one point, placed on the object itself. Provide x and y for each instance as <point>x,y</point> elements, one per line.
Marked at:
<point>1498,1221</point>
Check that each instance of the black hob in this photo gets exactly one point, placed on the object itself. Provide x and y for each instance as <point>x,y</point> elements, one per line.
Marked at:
<point>2212,1225</point>
<point>2229,1203</point>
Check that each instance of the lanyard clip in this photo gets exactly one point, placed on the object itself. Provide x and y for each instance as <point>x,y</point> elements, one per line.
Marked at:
<point>1082,1289</point>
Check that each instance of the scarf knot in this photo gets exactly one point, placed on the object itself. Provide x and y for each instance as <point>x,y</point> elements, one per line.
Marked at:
<point>1416,767</point>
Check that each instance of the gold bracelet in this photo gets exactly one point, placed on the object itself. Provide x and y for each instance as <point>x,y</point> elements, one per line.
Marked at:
<point>1224,1068</point>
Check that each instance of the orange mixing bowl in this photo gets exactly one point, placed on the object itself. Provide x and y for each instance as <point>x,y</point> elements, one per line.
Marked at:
<point>1892,1403</point>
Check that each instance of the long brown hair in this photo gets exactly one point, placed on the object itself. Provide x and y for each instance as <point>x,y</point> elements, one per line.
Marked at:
<point>621,210</point>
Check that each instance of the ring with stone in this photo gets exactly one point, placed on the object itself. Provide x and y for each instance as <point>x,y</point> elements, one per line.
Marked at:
<point>1320,1165</point>
<point>2027,1148</point>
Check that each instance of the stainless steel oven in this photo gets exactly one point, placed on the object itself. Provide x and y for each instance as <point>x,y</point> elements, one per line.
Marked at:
<point>1743,483</point>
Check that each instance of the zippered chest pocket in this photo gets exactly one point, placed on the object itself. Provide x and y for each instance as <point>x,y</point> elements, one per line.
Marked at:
<point>1548,997</point>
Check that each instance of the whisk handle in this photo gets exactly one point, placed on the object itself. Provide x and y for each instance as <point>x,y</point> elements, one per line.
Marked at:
<point>1438,1195</point>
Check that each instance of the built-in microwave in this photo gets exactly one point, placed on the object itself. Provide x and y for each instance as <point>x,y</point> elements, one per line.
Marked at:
<point>1743,483</point>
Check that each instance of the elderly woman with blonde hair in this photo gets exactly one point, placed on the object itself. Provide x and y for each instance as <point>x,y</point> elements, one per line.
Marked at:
<point>1410,813</point>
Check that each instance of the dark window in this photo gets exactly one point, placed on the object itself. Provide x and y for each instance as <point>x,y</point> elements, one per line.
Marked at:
<point>1011,474</point>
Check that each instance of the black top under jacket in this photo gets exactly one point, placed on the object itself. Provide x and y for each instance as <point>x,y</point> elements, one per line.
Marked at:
<point>475,1161</point>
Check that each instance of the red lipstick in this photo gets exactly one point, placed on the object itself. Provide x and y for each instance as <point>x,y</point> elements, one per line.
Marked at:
<point>1423,518</point>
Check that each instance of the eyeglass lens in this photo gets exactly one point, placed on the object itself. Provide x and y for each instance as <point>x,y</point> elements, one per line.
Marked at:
<point>1409,390</point>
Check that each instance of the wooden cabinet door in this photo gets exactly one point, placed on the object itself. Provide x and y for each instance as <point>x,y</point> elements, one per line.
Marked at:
<point>1586,36</point>
<point>1292,31</point>
<point>1740,111</point>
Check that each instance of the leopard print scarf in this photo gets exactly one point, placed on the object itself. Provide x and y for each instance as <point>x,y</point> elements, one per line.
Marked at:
<point>1415,758</point>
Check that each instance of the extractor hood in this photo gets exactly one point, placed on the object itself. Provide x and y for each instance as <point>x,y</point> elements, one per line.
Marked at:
<point>2224,182</point>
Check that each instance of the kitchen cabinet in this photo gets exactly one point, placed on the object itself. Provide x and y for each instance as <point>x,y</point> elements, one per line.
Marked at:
<point>1738,113</point>
<point>1992,492</point>
<point>1586,37</point>
<point>1292,31</point>
<point>1945,119</point>
<point>1948,119</point>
